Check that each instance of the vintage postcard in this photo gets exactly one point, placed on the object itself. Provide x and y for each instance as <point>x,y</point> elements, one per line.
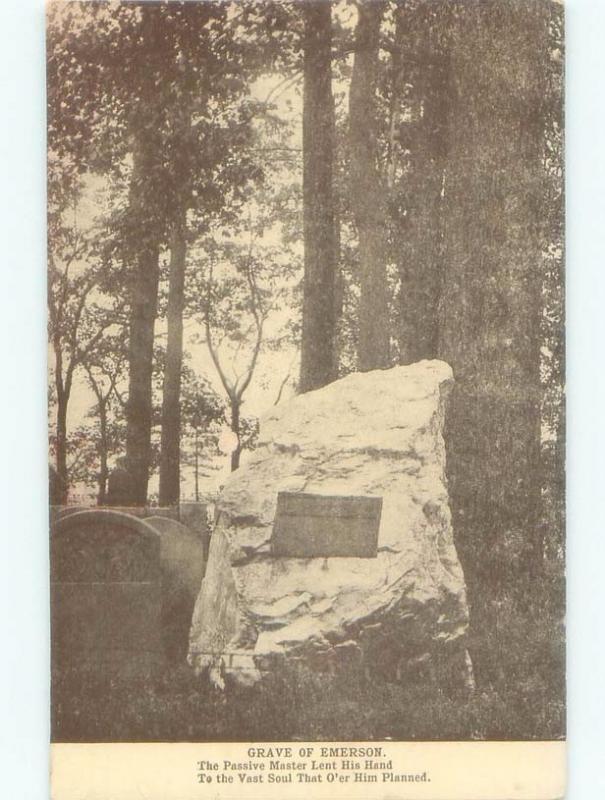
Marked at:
<point>306,399</point>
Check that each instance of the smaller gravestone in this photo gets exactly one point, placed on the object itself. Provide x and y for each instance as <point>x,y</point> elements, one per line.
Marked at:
<point>322,526</point>
<point>142,512</point>
<point>195,517</point>
<point>181,552</point>
<point>182,567</point>
<point>105,592</point>
<point>119,485</point>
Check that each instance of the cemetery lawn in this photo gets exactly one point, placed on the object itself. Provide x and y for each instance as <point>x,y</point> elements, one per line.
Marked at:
<point>523,700</point>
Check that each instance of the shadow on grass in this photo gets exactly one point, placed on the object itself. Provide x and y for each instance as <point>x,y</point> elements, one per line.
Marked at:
<point>523,700</point>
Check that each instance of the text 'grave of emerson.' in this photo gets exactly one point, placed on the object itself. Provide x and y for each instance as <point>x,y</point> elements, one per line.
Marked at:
<point>310,764</point>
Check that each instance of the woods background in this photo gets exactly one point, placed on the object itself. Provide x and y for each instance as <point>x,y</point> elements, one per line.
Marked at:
<point>252,199</point>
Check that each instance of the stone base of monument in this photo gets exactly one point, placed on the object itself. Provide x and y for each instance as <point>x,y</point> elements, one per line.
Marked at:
<point>333,545</point>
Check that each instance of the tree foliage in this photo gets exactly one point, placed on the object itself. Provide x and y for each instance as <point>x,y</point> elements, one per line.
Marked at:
<point>431,204</point>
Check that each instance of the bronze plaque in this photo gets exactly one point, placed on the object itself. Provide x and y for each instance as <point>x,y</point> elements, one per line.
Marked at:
<point>322,526</point>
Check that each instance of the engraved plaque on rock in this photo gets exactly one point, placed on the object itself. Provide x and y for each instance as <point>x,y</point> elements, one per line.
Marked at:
<point>321,526</point>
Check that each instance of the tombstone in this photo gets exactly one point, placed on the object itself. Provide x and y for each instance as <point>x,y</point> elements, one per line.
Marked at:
<point>195,517</point>
<point>182,567</point>
<point>56,512</point>
<point>142,512</point>
<point>63,511</point>
<point>119,485</point>
<point>105,592</point>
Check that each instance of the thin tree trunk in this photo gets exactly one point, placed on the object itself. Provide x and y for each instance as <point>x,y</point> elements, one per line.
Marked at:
<point>63,389</point>
<point>103,450</point>
<point>197,466</point>
<point>339,284</point>
<point>318,324</point>
<point>171,409</point>
<point>367,193</point>
<point>61,446</point>
<point>235,427</point>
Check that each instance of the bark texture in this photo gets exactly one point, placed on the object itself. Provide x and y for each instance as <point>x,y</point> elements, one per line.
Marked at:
<point>368,196</point>
<point>61,445</point>
<point>422,64</point>
<point>146,216</point>
<point>318,363</point>
<point>490,321</point>
<point>144,301</point>
<point>235,405</point>
<point>171,409</point>
<point>103,452</point>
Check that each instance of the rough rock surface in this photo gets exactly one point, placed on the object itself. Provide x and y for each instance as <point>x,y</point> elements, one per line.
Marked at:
<point>378,433</point>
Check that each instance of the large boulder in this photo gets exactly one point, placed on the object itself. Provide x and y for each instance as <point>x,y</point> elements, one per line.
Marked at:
<point>379,434</point>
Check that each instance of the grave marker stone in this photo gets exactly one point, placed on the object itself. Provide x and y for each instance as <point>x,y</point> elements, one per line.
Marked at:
<point>105,591</point>
<point>182,566</point>
<point>195,517</point>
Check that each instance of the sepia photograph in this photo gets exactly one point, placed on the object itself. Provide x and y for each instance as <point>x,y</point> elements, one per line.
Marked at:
<point>306,360</point>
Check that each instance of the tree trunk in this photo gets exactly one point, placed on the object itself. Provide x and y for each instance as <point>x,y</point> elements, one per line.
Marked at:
<point>140,354</point>
<point>147,221</point>
<point>318,324</point>
<point>103,450</point>
<point>339,282</point>
<point>197,466</point>
<point>171,409</point>
<point>422,63</point>
<point>368,198</point>
<point>61,446</point>
<point>235,425</point>
<point>63,389</point>
<point>145,205</point>
<point>491,311</point>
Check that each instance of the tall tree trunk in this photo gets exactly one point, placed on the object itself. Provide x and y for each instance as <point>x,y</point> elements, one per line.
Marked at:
<point>318,324</point>
<point>339,283</point>
<point>197,466</point>
<point>235,427</point>
<point>491,310</point>
<point>147,215</point>
<point>140,355</point>
<point>422,62</point>
<point>368,197</point>
<point>143,313</point>
<point>171,408</point>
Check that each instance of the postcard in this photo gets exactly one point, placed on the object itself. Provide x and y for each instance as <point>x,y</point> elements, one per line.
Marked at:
<point>306,399</point>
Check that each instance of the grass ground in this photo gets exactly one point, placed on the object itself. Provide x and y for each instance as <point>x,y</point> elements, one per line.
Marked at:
<point>520,695</point>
